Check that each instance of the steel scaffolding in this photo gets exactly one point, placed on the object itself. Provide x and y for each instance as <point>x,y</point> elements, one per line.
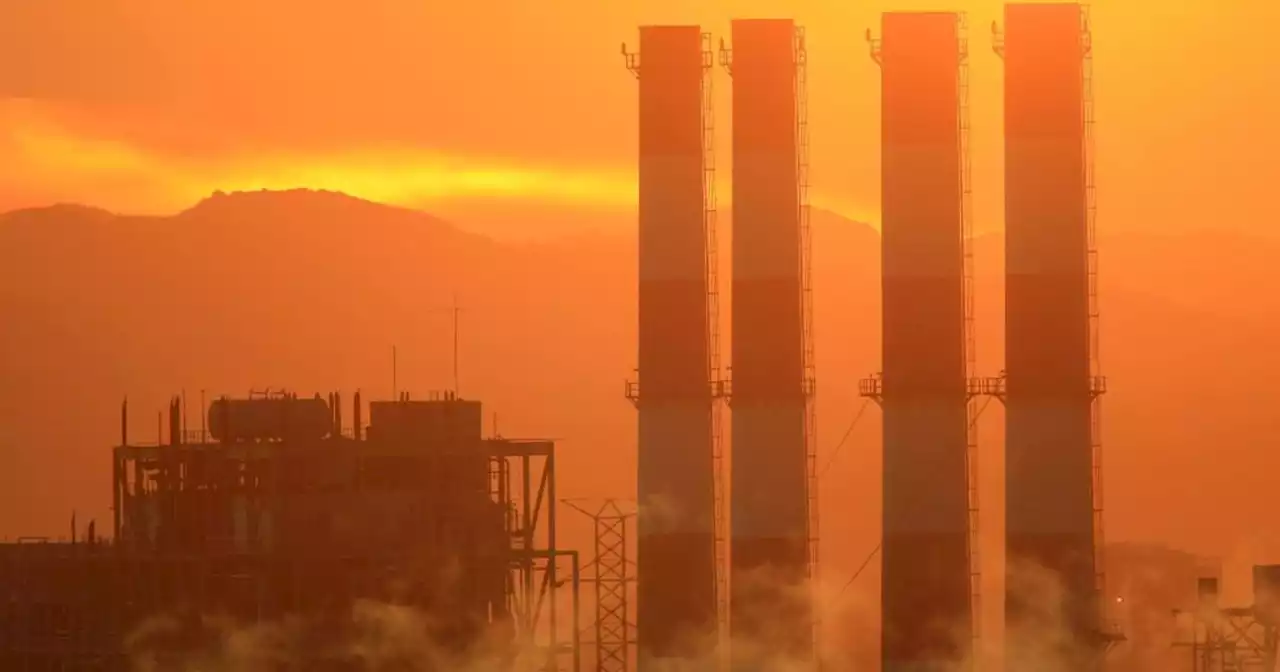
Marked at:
<point>611,573</point>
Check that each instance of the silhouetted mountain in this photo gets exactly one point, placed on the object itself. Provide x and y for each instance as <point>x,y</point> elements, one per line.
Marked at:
<point>58,213</point>
<point>311,290</point>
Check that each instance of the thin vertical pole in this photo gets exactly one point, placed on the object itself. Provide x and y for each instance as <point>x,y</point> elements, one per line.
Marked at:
<point>577,634</point>
<point>549,469</point>
<point>456,318</point>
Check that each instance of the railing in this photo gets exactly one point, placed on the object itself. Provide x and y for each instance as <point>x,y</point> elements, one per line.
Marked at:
<point>871,388</point>
<point>1097,386</point>
<point>985,387</point>
<point>716,389</point>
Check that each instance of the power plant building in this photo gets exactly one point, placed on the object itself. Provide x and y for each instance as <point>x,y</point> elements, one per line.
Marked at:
<point>928,586</point>
<point>676,394</point>
<point>771,554</point>
<point>280,513</point>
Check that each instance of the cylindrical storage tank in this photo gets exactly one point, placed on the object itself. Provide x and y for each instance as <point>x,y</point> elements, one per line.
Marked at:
<point>769,547</point>
<point>270,419</point>
<point>676,573</point>
<point>925,584</point>
<point>1049,502</point>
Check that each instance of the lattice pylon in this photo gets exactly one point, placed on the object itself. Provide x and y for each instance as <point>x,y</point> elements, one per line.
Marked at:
<point>611,573</point>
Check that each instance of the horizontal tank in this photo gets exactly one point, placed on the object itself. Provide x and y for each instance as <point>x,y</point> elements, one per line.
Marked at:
<point>270,419</point>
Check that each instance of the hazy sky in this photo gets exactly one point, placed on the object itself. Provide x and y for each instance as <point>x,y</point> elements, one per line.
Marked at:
<point>147,105</point>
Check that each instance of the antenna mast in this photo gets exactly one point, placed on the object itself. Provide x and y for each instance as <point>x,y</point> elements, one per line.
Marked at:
<point>457,311</point>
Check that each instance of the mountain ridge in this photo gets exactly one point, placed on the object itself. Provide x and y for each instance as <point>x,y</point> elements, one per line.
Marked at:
<point>314,295</point>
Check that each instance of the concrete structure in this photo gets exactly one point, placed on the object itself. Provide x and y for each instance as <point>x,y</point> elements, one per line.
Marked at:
<point>678,448</point>
<point>771,554</point>
<point>1053,501</point>
<point>929,581</point>
<point>417,510</point>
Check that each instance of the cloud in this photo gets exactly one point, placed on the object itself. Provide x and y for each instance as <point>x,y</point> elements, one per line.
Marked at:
<point>48,152</point>
<point>59,154</point>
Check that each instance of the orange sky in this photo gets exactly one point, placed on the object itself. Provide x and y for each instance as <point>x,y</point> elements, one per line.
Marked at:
<point>147,106</point>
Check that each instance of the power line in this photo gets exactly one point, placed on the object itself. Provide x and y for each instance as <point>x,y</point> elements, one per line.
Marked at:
<point>830,461</point>
<point>847,433</point>
<point>861,568</point>
<point>876,550</point>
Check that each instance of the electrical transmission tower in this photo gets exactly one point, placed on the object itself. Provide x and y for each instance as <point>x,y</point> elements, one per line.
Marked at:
<point>612,575</point>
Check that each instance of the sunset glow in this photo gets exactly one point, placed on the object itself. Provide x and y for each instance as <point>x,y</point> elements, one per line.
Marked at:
<point>888,262</point>
<point>46,152</point>
<point>163,113</point>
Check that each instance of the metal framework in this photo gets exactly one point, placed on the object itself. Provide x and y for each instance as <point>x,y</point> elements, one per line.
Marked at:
<point>521,479</point>
<point>723,390</point>
<point>1231,640</point>
<point>186,483</point>
<point>1227,639</point>
<point>1095,363</point>
<point>806,287</point>
<point>535,559</point>
<point>715,375</point>
<point>611,572</point>
<point>970,345</point>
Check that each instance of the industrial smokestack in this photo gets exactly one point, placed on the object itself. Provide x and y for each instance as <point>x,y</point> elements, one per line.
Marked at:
<point>770,605</point>
<point>927,585</point>
<point>357,418</point>
<point>1052,500</point>
<point>335,403</point>
<point>175,421</point>
<point>676,589</point>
